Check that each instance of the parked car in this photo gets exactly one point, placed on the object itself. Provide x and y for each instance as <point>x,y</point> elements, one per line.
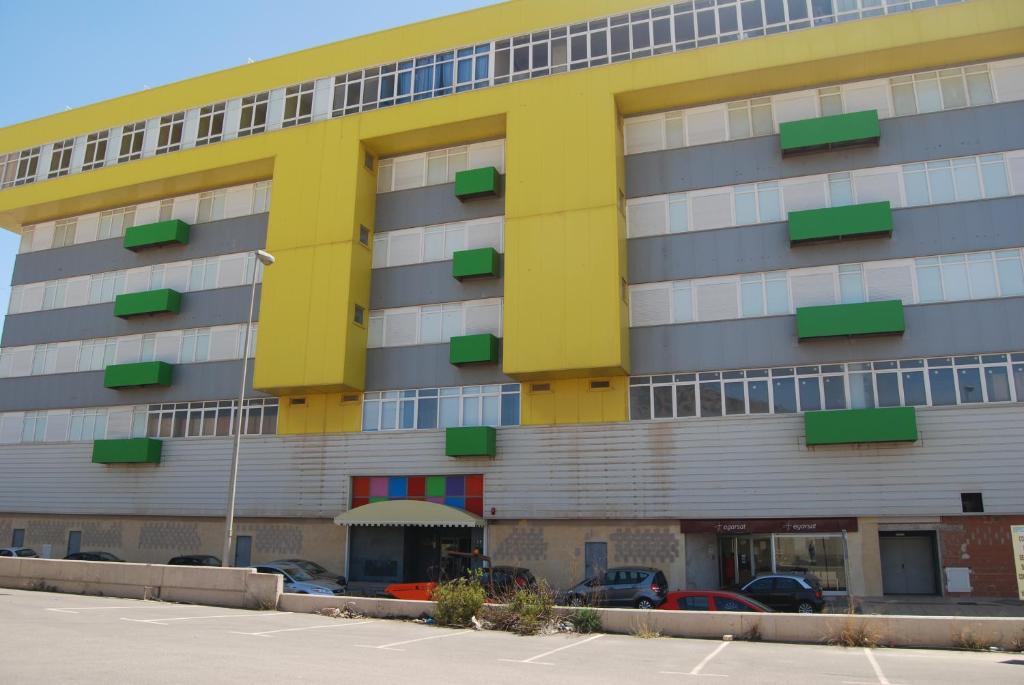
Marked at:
<point>314,569</point>
<point>630,586</point>
<point>93,556</point>
<point>797,592</point>
<point>711,600</point>
<point>17,552</point>
<point>298,581</point>
<point>195,560</point>
<point>507,579</point>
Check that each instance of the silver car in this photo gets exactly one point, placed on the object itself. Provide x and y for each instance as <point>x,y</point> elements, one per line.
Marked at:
<point>22,552</point>
<point>299,581</point>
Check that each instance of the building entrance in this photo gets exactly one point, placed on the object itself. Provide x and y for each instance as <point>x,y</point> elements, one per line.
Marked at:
<point>405,554</point>
<point>909,563</point>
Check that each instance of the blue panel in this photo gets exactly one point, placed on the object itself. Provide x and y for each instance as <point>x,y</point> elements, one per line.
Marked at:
<point>398,488</point>
<point>457,502</point>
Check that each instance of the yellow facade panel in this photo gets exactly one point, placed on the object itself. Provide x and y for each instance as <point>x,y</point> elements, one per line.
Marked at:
<point>574,400</point>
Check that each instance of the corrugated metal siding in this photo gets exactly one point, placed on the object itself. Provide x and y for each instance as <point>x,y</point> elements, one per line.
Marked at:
<point>728,467</point>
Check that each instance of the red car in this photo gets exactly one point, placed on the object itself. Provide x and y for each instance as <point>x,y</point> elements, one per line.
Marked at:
<point>711,600</point>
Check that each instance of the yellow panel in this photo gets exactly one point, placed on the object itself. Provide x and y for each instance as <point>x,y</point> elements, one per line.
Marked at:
<point>572,400</point>
<point>321,413</point>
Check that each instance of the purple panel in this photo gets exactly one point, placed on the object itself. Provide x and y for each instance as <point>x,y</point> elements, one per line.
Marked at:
<point>378,487</point>
<point>455,486</point>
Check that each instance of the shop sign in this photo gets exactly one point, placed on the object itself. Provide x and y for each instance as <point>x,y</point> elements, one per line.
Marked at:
<point>1017,535</point>
<point>747,526</point>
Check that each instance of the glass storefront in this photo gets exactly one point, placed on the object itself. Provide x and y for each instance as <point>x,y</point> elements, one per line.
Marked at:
<point>742,557</point>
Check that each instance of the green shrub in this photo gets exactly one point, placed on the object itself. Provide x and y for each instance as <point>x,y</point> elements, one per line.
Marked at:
<point>458,601</point>
<point>526,611</point>
<point>585,620</point>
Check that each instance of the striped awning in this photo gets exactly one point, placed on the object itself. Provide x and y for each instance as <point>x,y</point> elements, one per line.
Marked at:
<point>408,512</point>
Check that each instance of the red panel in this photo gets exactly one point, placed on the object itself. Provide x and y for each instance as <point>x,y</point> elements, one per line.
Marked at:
<point>474,486</point>
<point>360,487</point>
<point>417,487</point>
<point>359,501</point>
<point>475,505</point>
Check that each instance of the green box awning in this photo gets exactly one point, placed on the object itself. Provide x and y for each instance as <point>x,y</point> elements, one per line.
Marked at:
<point>836,223</point>
<point>866,318</point>
<point>473,349</point>
<point>128,451</point>
<point>138,374</point>
<point>470,441</point>
<point>157,234</point>
<point>149,302</point>
<point>473,183</point>
<point>827,133</point>
<point>847,426</point>
<point>483,262</point>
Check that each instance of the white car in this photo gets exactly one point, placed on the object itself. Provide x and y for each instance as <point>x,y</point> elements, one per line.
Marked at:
<point>17,552</point>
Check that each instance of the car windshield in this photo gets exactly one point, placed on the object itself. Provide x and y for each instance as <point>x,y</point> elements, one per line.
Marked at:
<point>295,572</point>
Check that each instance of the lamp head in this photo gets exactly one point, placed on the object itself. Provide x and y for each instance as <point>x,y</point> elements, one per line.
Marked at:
<point>266,259</point>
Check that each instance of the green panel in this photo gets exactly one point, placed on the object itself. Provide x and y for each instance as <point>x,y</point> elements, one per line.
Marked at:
<point>867,318</point>
<point>471,441</point>
<point>826,133</point>
<point>132,451</point>
<point>134,375</point>
<point>473,349</point>
<point>872,218</point>
<point>892,424</point>
<point>435,486</point>
<point>149,302</point>
<point>379,499</point>
<point>483,182</point>
<point>481,263</point>
<point>153,235</point>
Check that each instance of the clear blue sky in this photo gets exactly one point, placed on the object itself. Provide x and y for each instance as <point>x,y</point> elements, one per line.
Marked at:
<point>69,53</point>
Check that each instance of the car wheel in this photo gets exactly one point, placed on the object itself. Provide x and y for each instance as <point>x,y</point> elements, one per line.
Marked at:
<point>575,601</point>
<point>644,603</point>
<point>805,608</point>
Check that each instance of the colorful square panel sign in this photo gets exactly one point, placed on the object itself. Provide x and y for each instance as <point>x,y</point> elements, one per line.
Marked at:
<point>461,492</point>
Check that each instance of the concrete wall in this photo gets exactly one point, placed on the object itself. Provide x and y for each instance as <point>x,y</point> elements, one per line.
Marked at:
<point>153,540</point>
<point>555,550</point>
<point>229,587</point>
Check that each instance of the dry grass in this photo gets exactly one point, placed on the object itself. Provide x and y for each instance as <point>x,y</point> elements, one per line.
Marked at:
<point>853,634</point>
<point>966,639</point>
<point>644,629</point>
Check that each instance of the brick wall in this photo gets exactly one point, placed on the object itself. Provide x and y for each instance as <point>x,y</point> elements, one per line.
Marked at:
<point>982,544</point>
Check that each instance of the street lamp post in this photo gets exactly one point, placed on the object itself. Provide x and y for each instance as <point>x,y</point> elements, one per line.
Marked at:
<point>266,259</point>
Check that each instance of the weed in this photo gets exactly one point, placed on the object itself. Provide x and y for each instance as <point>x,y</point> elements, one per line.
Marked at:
<point>644,629</point>
<point>458,601</point>
<point>1017,643</point>
<point>585,620</point>
<point>966,639</point>
<point>526,611</point>
<point>853,634</point>
<point>753,633</point>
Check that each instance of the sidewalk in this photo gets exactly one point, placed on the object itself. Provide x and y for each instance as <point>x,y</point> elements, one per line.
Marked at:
<point>912,605</point>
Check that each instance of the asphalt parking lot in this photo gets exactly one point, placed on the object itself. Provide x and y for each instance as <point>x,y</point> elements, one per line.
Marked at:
<point>48,637</point>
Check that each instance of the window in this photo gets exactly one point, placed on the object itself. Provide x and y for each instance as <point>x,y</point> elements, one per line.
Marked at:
<point>26,168</point>
<point>972,503</point>
<point>208,419</point>
<point>34,426</point>
<point>261,197</point>
<point>211,124</point>
<point>113,222</point>
<point>195,346</point>
<point>435,243</point>
<point>298,104</point>
<point>730,604</point>
<point>211,206</point>
<point>253,118</point>
<point>64,232</point>
<point>95,150</point>
<point>60,158</point>
<point>693,604</point>
<point>169,134</point>
<point>433,324</point>
<point>8,169</point>
<point>88,424</point>
<point>474,405</point>
<point>437,166</point>
<point>750,118</point>
<point>359,316</point>
<point>364,235</point>
<point>131,141</point>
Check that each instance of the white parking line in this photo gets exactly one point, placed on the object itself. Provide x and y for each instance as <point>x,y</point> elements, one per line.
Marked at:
<point>166,621</point>
<point>79,609</point>
<point>392,645</point>
<point>704,662</point>
<point>533,659</point>
<point>307,628</point>
<point>882,680</point>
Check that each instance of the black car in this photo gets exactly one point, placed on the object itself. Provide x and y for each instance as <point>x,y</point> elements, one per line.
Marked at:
<point>631,586</point>
<point>797,592</point>
<point>314,569</point>
<point>507,580</point>
<point>195,560</point>
<point>92,556</point>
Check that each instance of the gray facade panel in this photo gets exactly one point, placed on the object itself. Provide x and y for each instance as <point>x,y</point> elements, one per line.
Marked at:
<point>917,231</point>
<point>431,205</point>
<point>208,381</point>
<point>404,286</point>
<point>205,240</point>
<point>955,133</point>
<point>202,308</point>
<point>932,330</point>
<point>424,366</point>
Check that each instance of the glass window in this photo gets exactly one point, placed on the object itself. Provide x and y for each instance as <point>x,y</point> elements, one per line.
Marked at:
<point>639,402</point>
<point>784,395</point>
<point>969,380</point>
<point>663,402</point>
<point>940,381</point>
<point>862,391</point>
<point>888,389</point>
<point>954,278</point>
<point>997,384</point>
<point>710,399</point>
<point>735,400</point>
<point>686,400</point>
<point>835,392</point>
<point>1011,272</point>
<point>810,394</point>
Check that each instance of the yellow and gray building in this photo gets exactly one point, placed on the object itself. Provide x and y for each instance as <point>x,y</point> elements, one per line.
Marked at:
<point>716,286</point>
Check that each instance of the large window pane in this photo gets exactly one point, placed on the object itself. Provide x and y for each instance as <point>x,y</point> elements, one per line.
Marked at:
<point>686,400</point>
<point>735,402</point>
<point>1018,381</point>
<point>752,295</point>
<point>510,409</point>
<point>784,395</point>
<point>888,389</point>
<point>970,385</point>
<point>835,392</point>
<point>983,276</point>
<point>427,416</point>
<point>941,383</point>
<point>940,178</point>
<point>710,399</point>
<point>913,389</point>
<point>1011,274</point>
<point>929,282</point>
<point>997,383</point>
<point>777,294</point>
<point>757,392</point>
<point>639,402</point>
<point>968,185</point>
<point>663,402</point>
<point>916,185</point>
<point>954,278</point>
<point>810,394</point>
<point>862,392</point>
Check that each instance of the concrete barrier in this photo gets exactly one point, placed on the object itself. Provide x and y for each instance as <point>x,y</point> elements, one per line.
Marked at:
<point>930,632</point>
<point>228,587</point>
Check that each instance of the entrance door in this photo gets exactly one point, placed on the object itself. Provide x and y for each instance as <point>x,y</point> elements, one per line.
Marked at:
<point>243,550</point>
<point>596,556</point>
<point>74,542</point>
<point>908,564</point>
<point>762,554</point>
